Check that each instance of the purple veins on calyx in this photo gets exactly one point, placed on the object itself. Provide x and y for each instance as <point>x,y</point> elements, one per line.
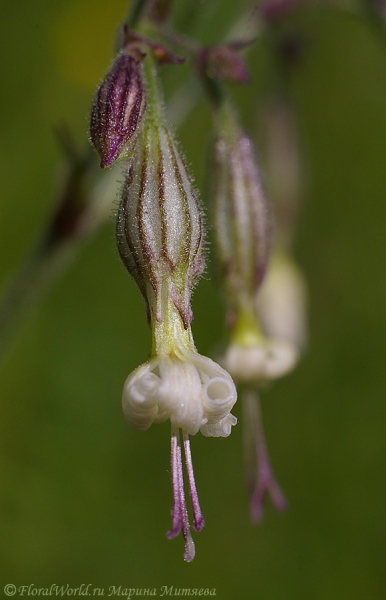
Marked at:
<point>243,217</point>
<point>160,226</point>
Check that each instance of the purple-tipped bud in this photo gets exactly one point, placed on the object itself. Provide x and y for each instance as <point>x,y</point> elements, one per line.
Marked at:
<point>242,213</point>
<point>223,62</point>
<point>118,107</point>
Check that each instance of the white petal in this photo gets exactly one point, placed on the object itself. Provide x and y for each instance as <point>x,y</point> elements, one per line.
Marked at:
<point>139,401</point>
<point>180,393</point>
<point>282,303</point>
<point>191,390</point>
<point>218,396</point>
<point>256,364</point>
<point>220,428</point>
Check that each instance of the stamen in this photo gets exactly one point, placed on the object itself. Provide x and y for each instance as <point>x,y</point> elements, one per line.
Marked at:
<point>198,519</point>
<point>180,519</point>
<point>264,481</point>
<point>175,464</point>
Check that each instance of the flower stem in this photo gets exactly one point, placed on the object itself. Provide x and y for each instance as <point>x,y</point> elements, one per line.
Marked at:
<point>137,11</point>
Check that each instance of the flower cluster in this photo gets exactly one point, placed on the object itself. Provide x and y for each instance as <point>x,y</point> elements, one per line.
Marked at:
<point>160,237</point>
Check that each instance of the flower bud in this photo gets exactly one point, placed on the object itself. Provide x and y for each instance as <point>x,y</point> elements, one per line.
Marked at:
<point>243,226</point>
<point>223,62</point>
<point>118,107</point>
<point>160,226</point>
<point>242,213</point>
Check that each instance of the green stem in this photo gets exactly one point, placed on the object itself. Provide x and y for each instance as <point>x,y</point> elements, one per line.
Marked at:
<point>136,12</point>
<point>155,101</point>
<point>215,91</point>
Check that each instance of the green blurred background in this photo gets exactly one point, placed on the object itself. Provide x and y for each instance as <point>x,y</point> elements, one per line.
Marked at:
<point>86,500</point>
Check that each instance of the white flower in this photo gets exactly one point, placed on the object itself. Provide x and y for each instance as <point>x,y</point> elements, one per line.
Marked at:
<point>258,363</point>
<point>191,390</point>
<point>196,394</point>
<point>267,344</point>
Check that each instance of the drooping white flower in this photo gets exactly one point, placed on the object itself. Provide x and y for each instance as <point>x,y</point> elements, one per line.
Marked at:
<point>196,394</point>
<point>261,362</point>
<point>160,237</point>
<point>243,226</point>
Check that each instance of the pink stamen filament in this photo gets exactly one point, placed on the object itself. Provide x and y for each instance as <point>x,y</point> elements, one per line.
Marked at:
<point>175,464</point>
<point>198,519</point>
<point>264,481</point>
<point>180,520</point>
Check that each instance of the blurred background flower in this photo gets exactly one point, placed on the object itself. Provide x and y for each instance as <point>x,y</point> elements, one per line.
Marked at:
<point>77,502</point>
